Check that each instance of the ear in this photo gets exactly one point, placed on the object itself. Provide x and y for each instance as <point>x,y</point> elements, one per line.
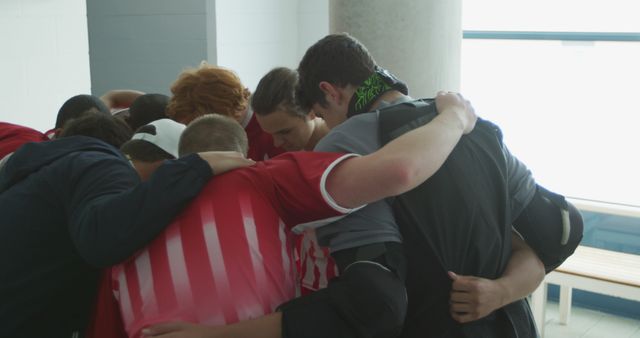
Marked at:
<point>331,92</point>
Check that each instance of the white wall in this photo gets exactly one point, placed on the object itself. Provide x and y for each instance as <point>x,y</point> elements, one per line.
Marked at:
<point>254,36</point>
<point>313,24</point>
<point>44,59</point>
<point>45,49</point>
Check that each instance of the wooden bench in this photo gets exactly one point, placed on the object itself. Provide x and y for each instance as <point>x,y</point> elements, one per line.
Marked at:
<point>601,271</point>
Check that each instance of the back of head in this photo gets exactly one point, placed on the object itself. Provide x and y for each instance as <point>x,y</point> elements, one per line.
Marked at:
<point>155,141</point>
<point>147,108</point>
<point>339,59</point>
<point>276,91</point>
<point>213,132</point>
<point>207,90</point>
<point>101,126</point>
<point>77,106</point>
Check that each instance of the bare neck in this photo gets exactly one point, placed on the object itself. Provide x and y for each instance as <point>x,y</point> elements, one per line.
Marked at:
<point>320,129</point>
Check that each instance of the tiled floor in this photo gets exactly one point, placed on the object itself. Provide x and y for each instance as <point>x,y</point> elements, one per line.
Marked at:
<point>589,323</point>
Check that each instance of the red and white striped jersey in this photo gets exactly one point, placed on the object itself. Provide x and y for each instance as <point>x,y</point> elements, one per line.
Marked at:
<point>316,266</point>
<point>228,256</point>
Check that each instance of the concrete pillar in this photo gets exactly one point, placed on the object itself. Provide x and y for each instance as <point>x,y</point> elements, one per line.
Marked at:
<point>417,40</point>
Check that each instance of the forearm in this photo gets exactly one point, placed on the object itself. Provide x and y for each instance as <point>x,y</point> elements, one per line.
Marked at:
<point>397,167</point>
<point>422,151</point>
<point>120,98</point>
<point>268,326</point>
<point>523,274</point>
<point>473,297</point>
<point>110,228</point>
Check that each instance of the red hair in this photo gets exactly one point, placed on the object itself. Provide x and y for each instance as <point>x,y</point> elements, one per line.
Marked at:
<point>207,90</point>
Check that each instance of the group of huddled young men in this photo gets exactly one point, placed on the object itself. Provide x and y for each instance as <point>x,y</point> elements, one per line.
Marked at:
<point>340,207</point>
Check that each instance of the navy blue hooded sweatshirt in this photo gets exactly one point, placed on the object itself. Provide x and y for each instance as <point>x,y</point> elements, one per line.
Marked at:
<point>68,208</point>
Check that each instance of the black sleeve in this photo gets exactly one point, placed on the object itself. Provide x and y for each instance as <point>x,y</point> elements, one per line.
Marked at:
<point>541,225</point>
<point>112,216</point>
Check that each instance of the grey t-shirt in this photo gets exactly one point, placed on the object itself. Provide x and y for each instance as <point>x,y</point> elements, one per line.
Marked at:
<point>521,184</point>
<point>375,222</point>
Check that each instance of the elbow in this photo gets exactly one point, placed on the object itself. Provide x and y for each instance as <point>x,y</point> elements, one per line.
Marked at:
<point>94,249</point>
<point>96,260</point>
<point>408,173</point>
<point>99,256</point>
<point>404,176</point>
<point>92,257</point>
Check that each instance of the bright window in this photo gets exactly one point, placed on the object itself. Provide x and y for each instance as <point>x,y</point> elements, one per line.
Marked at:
<point>552,15</point>
<point>569,109</point>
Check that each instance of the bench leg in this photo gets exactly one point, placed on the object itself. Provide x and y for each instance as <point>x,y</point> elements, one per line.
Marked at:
<point>538,303</point>
<point>565,304</point>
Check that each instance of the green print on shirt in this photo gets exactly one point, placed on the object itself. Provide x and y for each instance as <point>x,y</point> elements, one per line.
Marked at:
<point>369,90</point>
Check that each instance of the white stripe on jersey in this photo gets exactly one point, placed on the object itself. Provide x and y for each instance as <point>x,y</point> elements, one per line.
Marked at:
<point>316,262</point>
<point>125,300</point>
<point>322,262</point>
<point>218,268</point>
<point>257,261</point>
<point>286,261</point>
<point>178,267</point>
<point>307,260</point>
<point>145,282</point>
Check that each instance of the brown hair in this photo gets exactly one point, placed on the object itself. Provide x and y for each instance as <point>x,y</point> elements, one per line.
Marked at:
<point>339,59</point>
<point>276,91</point>
<point>97,124</point>
<point>207,90</point>
<point>213,132</point>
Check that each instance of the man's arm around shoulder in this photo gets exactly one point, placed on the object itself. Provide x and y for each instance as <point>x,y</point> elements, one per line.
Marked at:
<point>405,162</point>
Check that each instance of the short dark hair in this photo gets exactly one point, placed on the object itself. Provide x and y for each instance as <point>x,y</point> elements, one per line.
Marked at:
<point>101,126</point>
<point>147,108</point>
<point>144,151</point>
<point>213,132</point>
<point>339,59</point>
<point>276,91</point>
<point>77,106</point>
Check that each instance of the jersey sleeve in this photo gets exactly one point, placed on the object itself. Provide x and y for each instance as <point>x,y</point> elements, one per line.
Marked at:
<point>299,180</point>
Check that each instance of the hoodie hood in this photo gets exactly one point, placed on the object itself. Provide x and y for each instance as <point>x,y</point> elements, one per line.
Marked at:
<point>33,156</point>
